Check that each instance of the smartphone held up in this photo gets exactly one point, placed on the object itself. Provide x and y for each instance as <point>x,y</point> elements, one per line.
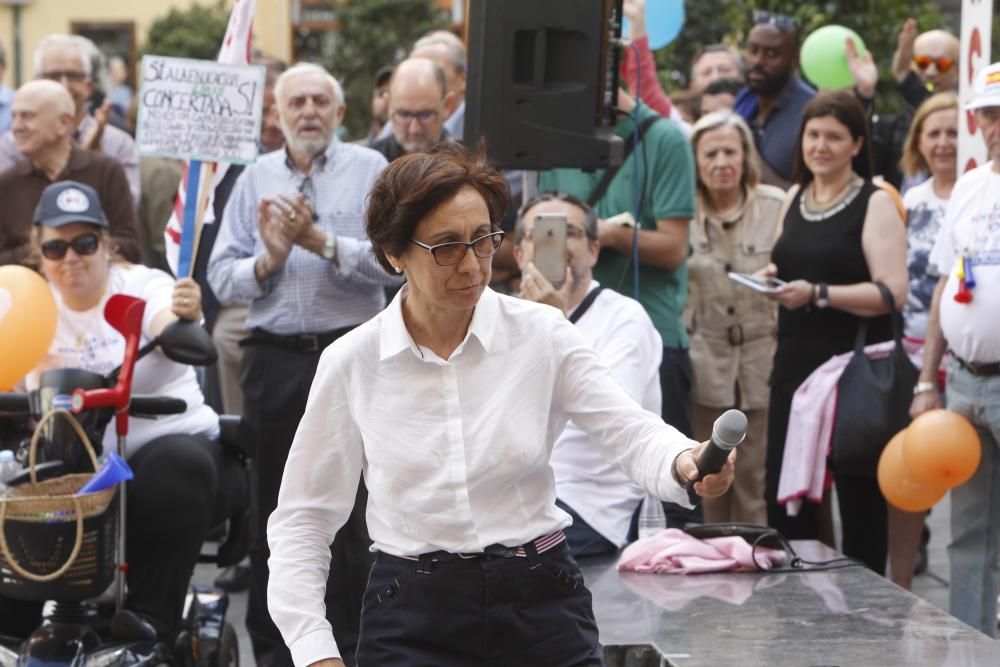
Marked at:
<point>549,241</point>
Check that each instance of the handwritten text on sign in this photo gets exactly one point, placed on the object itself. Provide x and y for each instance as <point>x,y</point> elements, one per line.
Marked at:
<point>199,110</point>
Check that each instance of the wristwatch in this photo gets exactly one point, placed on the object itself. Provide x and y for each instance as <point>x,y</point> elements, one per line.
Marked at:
<point>822,301</point>
<point>922,387</point>
<point>330,247</point>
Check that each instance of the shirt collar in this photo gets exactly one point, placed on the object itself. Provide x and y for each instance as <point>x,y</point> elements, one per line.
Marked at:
<point>320,162</point>
<point>593,285</point>
<point>394,338</point>
<point>78,159</point>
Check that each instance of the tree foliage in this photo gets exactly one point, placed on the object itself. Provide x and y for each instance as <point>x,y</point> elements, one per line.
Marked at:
<point>192,33</point>
<point>729,21</point>
<point>374,33</point>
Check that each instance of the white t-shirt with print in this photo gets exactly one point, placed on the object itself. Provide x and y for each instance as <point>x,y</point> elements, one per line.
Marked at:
<point>925,213</point>
<point>972,227</point>
<point>85,340</point>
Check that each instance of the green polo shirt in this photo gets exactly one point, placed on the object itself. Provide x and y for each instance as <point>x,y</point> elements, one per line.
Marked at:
<point>667,161</point>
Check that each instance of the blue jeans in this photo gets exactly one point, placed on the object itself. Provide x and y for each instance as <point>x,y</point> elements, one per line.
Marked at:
<point>975,506</point>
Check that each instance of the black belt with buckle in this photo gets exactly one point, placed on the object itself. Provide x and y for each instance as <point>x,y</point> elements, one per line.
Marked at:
<point>306,343</point>
<point>979,370</point>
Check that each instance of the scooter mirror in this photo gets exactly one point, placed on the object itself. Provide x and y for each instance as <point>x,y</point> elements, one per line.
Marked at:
<point>187,343</point>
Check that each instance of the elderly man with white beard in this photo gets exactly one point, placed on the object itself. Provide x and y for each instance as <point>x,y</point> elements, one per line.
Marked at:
<point>294,246</point>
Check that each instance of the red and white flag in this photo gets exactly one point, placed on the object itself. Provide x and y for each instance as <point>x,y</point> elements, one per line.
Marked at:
<point>235,50</point>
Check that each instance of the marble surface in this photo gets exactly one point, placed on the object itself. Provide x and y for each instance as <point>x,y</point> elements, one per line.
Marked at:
<point>843,617</point>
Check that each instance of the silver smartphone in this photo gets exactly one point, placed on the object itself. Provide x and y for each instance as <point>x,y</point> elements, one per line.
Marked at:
<point>549,241</point>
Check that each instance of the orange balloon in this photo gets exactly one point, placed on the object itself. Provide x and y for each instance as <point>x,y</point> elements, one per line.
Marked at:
<point>941,449</point>
<point>897,487</point>
<point>27,322</point>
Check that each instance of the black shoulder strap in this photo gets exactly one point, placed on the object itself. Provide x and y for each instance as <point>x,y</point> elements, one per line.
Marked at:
<point>585,305</point>
<point>611,172</point>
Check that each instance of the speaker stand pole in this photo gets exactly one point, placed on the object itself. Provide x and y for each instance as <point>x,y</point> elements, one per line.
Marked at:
<point>530,185</point>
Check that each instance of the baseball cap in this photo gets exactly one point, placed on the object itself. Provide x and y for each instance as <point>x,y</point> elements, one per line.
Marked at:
<point>987,89</point>
<point>66,202</point>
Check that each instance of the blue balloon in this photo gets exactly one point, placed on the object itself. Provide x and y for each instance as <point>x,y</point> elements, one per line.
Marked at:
<point>664,20</point>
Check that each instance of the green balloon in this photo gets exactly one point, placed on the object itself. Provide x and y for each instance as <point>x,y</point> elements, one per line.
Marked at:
<point>823,57</point>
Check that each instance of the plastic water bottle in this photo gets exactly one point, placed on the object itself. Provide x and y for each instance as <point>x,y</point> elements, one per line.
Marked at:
<point>9,467</point>
<point>652,520</point>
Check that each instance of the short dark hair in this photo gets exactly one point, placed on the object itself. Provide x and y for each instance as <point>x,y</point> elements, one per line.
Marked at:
<point>726,85</point>
<point>590,216</point>
<point>415,185</point>
<point>844,107</point>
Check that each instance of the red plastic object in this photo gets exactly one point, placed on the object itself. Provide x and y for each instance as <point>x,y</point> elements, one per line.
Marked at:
<point>124,313</point>
<point>963,295</point>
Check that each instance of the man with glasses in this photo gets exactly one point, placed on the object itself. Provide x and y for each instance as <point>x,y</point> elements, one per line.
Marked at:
<point>43,122</point>
<point>594,491</point>
<point>294,246</point>
<point>775,95</point>
<point>65,59</point>
<point>419,103</point>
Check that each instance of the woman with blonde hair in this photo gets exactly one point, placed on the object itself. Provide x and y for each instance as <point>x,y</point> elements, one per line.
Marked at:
<point>732,328</point>
<point>931,148</point>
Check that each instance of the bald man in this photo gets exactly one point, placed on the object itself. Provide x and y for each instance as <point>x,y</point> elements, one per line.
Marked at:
<point>922,65</point>
<point>448,51</point>
<point>419,103</point>
<point>43,122</point>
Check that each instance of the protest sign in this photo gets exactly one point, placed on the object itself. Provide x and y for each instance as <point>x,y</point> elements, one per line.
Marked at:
<point>199,110</point>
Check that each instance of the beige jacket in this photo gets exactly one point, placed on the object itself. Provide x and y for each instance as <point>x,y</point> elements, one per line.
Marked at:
<point>732,328</point>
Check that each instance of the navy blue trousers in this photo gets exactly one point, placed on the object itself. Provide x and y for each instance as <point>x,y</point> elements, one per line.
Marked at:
<point>486,611</point>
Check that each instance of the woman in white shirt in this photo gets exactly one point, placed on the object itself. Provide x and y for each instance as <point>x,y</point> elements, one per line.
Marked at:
<point>449,402</point>
<point>175,459</point>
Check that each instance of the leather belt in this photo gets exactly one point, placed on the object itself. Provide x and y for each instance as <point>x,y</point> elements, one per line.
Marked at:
<point>979,370</point>
<point>306,343</point>
<point>538,546</point>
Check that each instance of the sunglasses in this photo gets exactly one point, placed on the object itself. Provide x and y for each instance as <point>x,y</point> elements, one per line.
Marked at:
<point>83,245</point>
<point>943,63</point>
<point>782,22</point>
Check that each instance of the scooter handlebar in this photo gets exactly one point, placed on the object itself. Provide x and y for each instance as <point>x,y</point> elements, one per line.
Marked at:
<point>14,402</point>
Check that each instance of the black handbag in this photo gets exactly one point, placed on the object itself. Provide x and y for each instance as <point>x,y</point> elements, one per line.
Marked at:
<point>873,400</point>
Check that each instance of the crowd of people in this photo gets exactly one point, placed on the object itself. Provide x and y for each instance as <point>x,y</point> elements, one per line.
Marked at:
<point>373,305</point>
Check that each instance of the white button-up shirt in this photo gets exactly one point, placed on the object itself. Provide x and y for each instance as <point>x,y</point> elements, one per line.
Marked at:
<point>620,331</point>
<point>455,453</point>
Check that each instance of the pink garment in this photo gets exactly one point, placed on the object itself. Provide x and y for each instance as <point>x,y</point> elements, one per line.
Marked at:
<point>810,432</point>
<point>650,91</point>
<point>673,551</point>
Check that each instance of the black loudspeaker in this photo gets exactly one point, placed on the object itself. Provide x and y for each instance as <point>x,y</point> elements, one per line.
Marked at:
<point>543,79</point>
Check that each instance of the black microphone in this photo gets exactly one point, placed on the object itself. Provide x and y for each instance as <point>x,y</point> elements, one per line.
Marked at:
<point>727,432</point>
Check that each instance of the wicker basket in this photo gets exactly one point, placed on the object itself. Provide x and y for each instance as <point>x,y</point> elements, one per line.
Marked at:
<point>54,544</point>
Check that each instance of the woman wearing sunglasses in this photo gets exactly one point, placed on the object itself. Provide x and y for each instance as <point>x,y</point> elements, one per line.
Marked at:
<point>449,402</point>
<point>175,458</point>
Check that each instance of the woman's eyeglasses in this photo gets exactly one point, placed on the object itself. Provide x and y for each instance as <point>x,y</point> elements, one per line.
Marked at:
<point>84,244</point>
<point>453,252</point>
<point>942,63</point>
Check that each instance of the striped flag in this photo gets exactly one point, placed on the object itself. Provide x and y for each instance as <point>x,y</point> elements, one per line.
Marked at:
<point>193,204</point>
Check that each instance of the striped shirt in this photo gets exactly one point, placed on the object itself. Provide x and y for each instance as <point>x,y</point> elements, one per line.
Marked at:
<point>114,143</point>
<point>309,294</point>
